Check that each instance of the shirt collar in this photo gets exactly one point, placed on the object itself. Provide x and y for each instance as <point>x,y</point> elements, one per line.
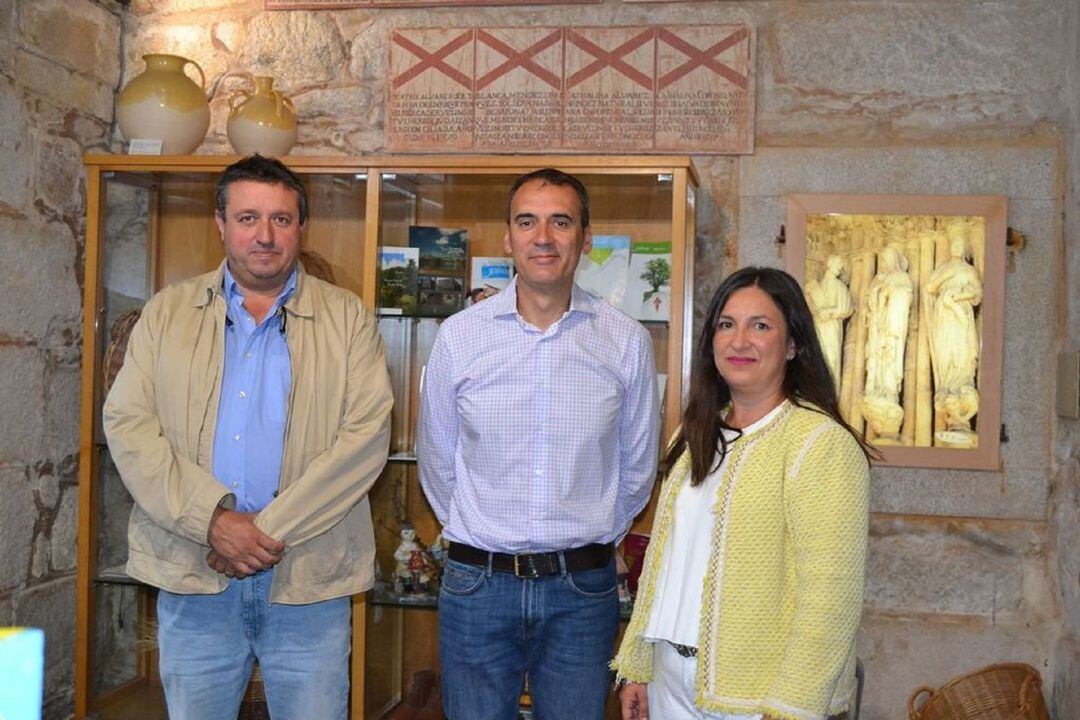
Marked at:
<point>233,295</point>
<point>504,303</point>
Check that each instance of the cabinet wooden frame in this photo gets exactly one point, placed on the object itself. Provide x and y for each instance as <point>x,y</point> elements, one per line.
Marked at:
<point>804,256</point>
<point>676,173</point>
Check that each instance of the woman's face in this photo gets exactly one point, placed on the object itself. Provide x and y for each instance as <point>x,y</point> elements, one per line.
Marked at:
<point>751,345</point>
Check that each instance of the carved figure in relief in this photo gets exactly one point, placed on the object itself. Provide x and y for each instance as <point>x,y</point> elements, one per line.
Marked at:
<point>830,304</point>
<point>888,305</point>
<point>950,297</point>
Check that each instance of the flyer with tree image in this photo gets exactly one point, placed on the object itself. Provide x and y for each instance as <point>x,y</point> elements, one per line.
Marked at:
<point>648,285</point>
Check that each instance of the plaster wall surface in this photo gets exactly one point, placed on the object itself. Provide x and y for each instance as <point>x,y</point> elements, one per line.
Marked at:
<point>908,96</point>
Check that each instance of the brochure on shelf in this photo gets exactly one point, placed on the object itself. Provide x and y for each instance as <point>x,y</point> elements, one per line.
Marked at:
<point>441,268</point>
<point>603,270</point>
<point>397,280</point>
<point>489,276</point>
<point>648,283</point>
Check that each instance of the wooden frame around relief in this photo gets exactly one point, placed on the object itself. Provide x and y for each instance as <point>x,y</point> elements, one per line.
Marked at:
<point>920,228</point>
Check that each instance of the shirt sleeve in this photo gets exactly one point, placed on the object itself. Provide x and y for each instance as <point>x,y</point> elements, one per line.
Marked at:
<point>339,477</point>
<point>827,507</point>
<point>639,430</point>
<point>437,429</point>
<point>175,492</point>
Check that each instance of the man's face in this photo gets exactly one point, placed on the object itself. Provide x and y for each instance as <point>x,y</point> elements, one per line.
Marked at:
<point>261,232</point>
<point>545,235</point>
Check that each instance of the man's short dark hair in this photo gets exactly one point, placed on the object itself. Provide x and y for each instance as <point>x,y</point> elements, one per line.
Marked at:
<point>551,176</point>
<point>257,168</point>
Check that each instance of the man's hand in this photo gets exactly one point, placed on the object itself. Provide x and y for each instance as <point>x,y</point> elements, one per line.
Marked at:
<point>221,565</point>
<point>634,698</point>
<point>239,546</point>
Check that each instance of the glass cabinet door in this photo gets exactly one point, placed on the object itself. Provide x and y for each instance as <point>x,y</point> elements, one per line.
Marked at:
<point>156,228</point>
<point>437,230</point>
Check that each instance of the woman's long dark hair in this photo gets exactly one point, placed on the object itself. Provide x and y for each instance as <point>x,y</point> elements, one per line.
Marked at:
<point>807,381</point>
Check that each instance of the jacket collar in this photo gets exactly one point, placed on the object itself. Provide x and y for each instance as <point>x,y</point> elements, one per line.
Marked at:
<point>299,303</point>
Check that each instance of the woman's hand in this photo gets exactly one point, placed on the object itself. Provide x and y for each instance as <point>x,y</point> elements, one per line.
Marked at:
<point>634,698</point>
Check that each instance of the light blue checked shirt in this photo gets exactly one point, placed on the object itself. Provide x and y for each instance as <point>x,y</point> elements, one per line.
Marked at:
<point>249,438</point>
<point>533,441</point>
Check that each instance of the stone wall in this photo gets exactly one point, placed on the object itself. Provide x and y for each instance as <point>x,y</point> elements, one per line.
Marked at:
<point>1065,495</point>
<point>967,568</point>
<point>59,69</point>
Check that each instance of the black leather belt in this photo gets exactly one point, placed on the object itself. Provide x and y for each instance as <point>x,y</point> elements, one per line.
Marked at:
<point>534,565</point>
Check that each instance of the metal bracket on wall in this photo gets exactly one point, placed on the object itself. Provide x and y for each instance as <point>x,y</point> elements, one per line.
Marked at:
<point>781,239</point>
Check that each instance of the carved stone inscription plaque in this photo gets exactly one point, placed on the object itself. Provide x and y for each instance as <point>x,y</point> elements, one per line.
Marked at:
<point>550,89</point>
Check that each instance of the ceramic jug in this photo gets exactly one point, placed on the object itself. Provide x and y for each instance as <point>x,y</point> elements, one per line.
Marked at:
<point>165,104</point>
<point>262,122</point>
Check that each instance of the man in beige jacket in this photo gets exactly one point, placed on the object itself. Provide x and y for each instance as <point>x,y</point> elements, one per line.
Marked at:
<point>249,420</point>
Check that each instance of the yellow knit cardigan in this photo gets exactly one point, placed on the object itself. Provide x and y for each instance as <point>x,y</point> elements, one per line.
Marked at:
<point>783,591</point>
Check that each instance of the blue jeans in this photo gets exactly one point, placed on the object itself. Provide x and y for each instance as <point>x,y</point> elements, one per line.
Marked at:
<point>494,629</point>
<point>208,644</point>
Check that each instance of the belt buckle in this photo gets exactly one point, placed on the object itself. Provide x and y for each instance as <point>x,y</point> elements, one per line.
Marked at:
<point>530,571</point>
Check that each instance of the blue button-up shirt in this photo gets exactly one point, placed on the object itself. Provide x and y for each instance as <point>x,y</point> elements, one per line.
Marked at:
<point>255,384</point>
<point>533,440</point>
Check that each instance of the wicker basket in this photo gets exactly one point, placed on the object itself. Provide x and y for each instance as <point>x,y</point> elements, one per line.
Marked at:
<point>1008,691</point>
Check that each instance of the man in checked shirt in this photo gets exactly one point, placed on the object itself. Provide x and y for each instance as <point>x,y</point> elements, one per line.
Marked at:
<point>537,446</point>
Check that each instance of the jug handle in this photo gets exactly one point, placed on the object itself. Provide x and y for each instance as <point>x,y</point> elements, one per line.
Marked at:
<point>202,77</point>
<point>233,105</point>
<point>282,100</point>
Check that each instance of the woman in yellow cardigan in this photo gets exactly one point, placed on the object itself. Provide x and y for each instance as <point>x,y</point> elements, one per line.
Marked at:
<point>751,592</point>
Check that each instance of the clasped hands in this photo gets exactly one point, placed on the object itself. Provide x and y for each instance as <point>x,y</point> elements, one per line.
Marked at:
<point>238,548</point>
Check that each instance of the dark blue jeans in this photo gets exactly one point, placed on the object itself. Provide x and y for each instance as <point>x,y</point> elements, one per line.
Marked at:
<point>495,628</point>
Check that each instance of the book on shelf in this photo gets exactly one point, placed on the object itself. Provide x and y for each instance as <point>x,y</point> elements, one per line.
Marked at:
<point>648,282</point>
<point>603,270</point>
<point>441,268</point>
<point>489,276</point>
<point>397,280</point>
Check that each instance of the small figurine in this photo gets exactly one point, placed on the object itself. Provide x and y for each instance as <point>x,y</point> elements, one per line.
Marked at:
<point>414,570</point>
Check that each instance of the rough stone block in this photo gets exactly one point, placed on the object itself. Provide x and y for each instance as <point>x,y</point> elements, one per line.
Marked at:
<point>22,375</point>
<point>17,517</point>
<point>882,61</point>
<point>62,86</point>
<point>51,606</point>
<point>343,104</point>
<point>991,569</point>
<point>16,147</point>
<point>65,529</point>
<point>63,399</point>
<point>901,654</point>
<point>7,610</point>
<point>303,45</point>
<point>60,175</point>
<point>1018,172</point>
<point>38,268</point>
<point>79,35</point>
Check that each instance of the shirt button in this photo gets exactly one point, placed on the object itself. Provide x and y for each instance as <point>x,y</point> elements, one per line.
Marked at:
<point>236,436</point>
<point>236,484</point>
<point>243,394</point>
<point>247,355</point>
<point>538,471</point>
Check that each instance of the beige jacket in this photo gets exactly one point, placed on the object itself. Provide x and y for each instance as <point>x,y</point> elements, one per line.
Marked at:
<point>159,420</point>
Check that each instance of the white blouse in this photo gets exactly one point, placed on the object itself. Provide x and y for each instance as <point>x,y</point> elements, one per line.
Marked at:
<point>675,615</point>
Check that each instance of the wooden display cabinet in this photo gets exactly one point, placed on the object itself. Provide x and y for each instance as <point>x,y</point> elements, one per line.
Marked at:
<point>150,223</point>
